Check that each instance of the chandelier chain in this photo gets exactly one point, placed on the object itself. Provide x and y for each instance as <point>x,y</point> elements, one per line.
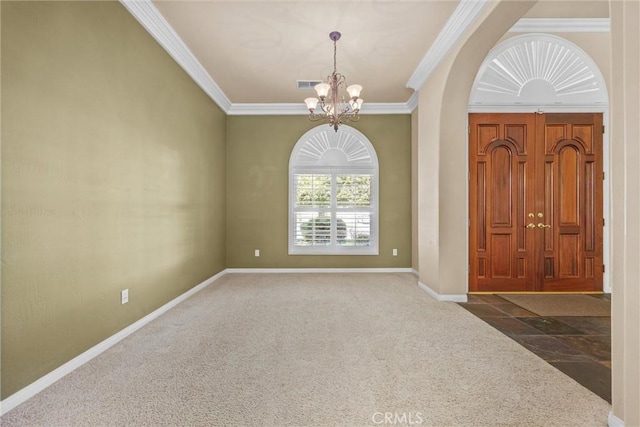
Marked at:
<point>335,49</point>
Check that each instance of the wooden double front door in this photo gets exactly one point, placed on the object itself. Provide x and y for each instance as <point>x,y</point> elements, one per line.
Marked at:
<point>535,202</point>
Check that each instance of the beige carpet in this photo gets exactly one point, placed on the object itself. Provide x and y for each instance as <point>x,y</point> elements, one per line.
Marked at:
<point>294,350</point>
<point>561,304</point>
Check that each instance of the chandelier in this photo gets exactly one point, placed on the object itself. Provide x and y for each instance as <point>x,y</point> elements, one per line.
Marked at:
<point>330,105</point>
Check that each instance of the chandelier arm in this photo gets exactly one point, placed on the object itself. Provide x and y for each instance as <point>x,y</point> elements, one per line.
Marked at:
<point>353,117</point>
<point>316,117</point>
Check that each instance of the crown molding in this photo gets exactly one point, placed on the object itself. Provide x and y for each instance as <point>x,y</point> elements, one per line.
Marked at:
<point>256,109</point>
<point>562,25</point>
<point>465,14</point>
<point>152,20</point>
<point>298,109</point>
<point>385,108</point>
<point>412,103</point>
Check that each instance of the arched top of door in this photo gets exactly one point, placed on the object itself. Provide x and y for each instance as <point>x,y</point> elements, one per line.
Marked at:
<point>534,71</point>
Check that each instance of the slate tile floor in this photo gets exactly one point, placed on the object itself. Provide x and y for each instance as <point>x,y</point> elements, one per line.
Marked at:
<point>578,346</point>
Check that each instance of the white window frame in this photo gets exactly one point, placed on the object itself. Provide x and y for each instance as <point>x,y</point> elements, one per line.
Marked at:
<point>346,152</point>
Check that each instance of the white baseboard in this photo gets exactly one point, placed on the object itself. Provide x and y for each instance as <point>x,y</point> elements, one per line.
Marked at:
<point>415,272</point>
<point>433,294</point>
<point>319,270</point>
<point>614,421</point>
<point>37,386</point>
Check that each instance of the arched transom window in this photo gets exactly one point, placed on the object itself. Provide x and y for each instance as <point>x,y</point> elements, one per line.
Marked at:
<point>333,194</point>
<point>538,70</point>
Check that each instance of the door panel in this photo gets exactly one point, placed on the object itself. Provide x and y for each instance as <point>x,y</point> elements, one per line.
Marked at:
<point>535,202</point>
<point>500,245</point>
<point>572,194</point>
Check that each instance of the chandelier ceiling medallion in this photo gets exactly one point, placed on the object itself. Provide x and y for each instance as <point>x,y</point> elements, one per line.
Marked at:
<point>330,105</point>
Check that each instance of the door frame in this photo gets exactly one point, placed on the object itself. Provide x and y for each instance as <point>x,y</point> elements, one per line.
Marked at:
<point>508,100</point>
<point>606,186</point>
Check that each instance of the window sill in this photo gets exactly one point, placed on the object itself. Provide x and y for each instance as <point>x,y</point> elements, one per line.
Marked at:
<point>333,251</point>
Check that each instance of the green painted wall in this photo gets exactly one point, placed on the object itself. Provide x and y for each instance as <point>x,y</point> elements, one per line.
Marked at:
<point>113,177</point>
<point>257,191</point>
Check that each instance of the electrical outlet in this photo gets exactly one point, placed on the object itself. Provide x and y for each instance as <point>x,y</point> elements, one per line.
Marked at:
<point>395,252</point>
<point>124,296</point>
<point>257,252</point>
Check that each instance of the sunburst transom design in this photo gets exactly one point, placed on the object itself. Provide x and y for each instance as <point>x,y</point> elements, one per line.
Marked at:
<point>538,69</point>
<point>323,147</point>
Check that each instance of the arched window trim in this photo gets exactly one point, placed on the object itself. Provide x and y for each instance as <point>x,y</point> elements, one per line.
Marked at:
<point>346,152</point>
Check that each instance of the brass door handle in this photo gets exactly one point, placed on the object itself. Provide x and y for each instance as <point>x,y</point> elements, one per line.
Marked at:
<point>541,225</point>
<point>530,225</point>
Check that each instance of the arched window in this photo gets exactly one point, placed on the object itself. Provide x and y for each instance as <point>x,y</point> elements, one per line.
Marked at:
<point>333,194</point>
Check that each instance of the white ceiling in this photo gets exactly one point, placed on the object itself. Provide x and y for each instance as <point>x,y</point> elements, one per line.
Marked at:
<point>252,52</point>
<point>256,50</point>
